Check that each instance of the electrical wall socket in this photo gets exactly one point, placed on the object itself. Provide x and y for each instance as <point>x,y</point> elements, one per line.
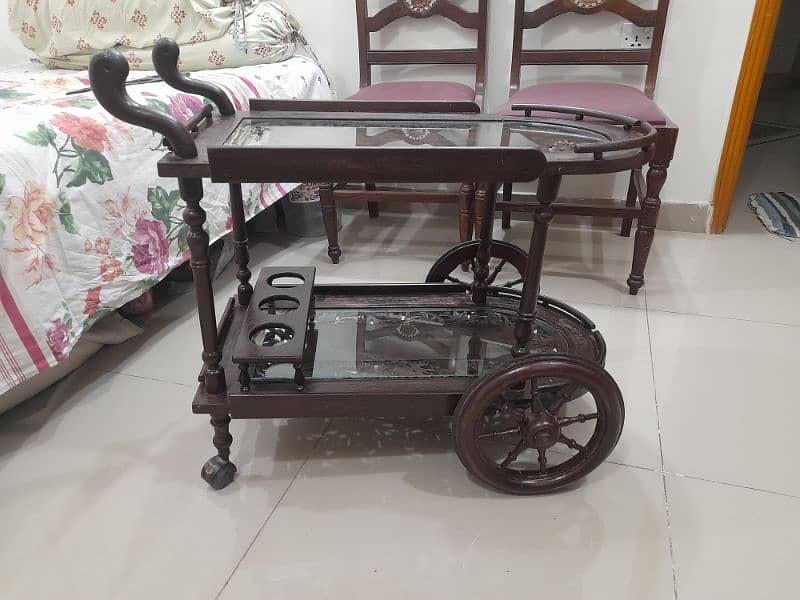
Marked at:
<point>636,38</point>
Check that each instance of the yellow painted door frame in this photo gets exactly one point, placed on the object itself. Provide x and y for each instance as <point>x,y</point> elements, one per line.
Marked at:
<point>751,77</point>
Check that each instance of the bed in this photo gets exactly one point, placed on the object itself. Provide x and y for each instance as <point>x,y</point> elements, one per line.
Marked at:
<point>85,227</point>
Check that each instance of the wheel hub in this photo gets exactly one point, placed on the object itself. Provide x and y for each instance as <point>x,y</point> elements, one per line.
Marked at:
<point>542,431</point>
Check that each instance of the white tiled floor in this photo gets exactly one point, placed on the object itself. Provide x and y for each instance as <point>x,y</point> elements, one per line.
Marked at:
<point>100,495</point>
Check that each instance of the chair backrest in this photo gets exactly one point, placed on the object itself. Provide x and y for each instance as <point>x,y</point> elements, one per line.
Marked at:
<point>422,9</point>
<point>656,18</point>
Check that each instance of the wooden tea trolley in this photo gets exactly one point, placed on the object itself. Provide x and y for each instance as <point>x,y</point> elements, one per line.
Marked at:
<point>508,364</point>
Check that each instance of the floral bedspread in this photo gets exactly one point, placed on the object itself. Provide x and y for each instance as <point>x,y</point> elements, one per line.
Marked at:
<point>85,223</point>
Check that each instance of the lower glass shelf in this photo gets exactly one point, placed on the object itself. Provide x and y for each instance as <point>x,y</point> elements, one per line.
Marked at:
<point>408,343</point>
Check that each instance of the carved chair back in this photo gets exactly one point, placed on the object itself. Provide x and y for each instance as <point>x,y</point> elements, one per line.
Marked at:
<point>650,58</point>
<point>423,9</point>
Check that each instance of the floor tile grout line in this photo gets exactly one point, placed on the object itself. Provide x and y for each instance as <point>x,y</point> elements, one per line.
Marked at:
<point>704,316</point>
<point>739,486</point>
<point>103,371</point>
<point>272,512</point>
<point>661,454</point>
<point>734,485</point>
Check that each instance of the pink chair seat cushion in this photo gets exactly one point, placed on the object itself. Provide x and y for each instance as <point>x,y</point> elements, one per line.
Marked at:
<point>416,91</point>
<point>608,97</point>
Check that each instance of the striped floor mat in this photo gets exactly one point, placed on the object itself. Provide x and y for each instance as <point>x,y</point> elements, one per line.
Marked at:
<point>779,212</point>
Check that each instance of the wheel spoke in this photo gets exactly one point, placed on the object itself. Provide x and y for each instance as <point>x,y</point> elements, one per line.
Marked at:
<point>514,454</point>
<point>542,460</point>
<point>452,279</point>
<point>536,398</point>
<point>495,434</point>
<point>511,284</point>
<point>567,421</point>
<point>496,272</point>
<point>570,443</point>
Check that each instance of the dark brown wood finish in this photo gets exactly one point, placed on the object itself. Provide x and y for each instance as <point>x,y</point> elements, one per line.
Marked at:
<point>330,220</point>
<point>228,390</point>
<point>108,72</point>
<point>549,185</point>
<point>192,193</point>
<point>259,316</point>
<point>418,164</point>
<point>651,206</point>
<point>240,244</point>
<point>667,133</point>
<point>369,24</point>
<point>360,106</point>
<point>369,57</point>
<point>627,10</point>
<point>166,56</point>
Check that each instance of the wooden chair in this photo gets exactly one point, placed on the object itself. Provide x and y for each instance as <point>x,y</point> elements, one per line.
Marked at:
<point>420,91</point>
<point>643,202</point>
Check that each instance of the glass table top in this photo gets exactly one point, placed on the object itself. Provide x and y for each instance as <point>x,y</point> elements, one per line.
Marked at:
<point>547,135</point>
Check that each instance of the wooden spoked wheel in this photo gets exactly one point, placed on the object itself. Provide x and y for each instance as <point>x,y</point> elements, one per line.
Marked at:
<point>526,448</point>
<point>506,267</point>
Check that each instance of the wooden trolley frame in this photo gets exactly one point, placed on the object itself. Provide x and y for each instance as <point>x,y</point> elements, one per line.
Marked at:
<point>518,397</point>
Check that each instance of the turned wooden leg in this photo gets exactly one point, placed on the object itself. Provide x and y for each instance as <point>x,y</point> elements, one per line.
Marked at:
<point>194,215</point>
<point>372,207</point>
<point>646,231</point>
<point>478,211</point>
<point>219,471</point>
<point>663,152</point>
<point>486,201</point>
<point>299,377</point>
<point>549,186</point>
<point>240,244</point>
<point>508,191</point>
<point>244,377</point>
<point>330,220</point>
<point>466,200</point>
<point>630,202</point>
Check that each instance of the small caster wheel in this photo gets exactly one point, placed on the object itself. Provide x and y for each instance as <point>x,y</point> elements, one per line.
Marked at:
<point>218,472</point>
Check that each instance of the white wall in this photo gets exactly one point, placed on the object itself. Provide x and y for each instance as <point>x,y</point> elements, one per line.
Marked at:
<point>11,49</point>
<point>700,65</point>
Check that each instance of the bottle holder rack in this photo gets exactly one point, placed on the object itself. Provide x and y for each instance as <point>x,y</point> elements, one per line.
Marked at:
<point>276,324</point>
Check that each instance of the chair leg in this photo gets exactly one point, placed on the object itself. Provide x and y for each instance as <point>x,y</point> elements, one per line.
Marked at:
<point>466,200</point>
<point>627,224</point>
<point>664,150</point>
<point>508,190</point>
<point>372,207</point>
<point>331,221</point>
<point>645,234</point>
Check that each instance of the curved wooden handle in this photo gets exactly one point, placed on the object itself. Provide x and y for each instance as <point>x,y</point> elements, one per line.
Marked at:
<point>647,132</point>
<point>166,53</point>
<point>108,72</point>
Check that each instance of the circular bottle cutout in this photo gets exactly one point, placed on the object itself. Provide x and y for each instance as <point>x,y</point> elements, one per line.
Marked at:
<point>279,305</point>
<point>272,335</point>
<point>286,280</point>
